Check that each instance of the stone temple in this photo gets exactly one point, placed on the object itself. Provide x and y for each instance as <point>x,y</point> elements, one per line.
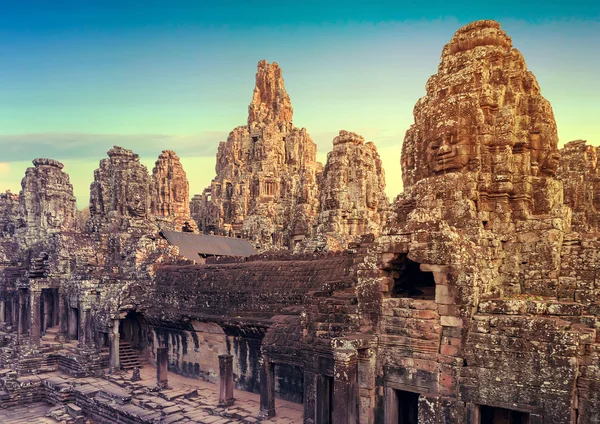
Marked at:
<point>473,297</point>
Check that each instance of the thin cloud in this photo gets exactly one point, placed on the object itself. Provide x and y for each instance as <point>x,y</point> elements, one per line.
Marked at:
<point>64,146</point>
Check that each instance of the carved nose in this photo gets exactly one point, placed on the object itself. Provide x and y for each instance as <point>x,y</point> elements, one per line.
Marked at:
<point>444,148</point>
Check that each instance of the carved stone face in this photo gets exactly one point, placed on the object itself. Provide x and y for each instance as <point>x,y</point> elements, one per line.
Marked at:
<point>178,194</point>
<point>136,206</point>
<point>543,156</point>
<point>449,153</point>
<point>550,163</point>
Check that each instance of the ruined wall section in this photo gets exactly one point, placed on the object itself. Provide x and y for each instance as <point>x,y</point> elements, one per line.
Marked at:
<point>265,189</point>
<point>352,193</point>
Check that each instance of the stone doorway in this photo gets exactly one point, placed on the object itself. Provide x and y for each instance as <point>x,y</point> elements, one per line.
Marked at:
<point>402,407</point>
<point>492,415</point>
<point>408,407</point>
<point>130,330</point>
<point>48,309</point>
<point>73,323</point>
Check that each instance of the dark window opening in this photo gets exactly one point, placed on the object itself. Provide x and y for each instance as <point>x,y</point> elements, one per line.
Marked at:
<point>410,281</point>
<point>289,382</point>
<point>255,138</point>
<point>408,407</point>
<point>491,415</point>
<point>205,255</point>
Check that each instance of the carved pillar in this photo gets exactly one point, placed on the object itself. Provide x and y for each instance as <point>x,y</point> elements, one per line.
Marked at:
<point>391,406</point>
<point>35,323</point>
<point>366,365</point>
<point>267,388</point>
<point>345,387</point>
<point>62,318</point>
<point>22,313</point>
<point>114,340</point>
<point>47,310</point>
<point>15,310</point>
<point>89,328</point>
<point>55,308</point>
<point>162,357</point>
<point>84,324</point>
<point>73,324</point>
<point>310,396</point>
<point>226,380</point>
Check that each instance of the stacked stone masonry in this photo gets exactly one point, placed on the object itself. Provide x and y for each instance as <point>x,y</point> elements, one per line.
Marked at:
<point>473,298</point>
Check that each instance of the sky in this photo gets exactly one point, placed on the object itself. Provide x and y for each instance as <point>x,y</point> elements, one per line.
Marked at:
<point>77,77</point>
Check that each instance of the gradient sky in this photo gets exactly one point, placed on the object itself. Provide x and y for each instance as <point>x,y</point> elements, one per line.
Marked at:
<point>77,77</point>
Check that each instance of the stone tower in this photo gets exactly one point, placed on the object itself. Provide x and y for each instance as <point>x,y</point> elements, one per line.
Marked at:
<point>121,192</point>
<point>351,190</point>
<point>46,202</point>
<point>266,186</point>
<point>171,192</point>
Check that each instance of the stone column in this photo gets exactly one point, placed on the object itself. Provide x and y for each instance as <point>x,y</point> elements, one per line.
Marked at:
<point>391,406</point>
<point>35,324</point>
<point>73,324</point>
<point>21,313</point>
<point>114,339</point>
<point>83,327</point>
<point>2,311</point>
<point>55,308</point>
<point>62,318</point>
<point>267,389</point>
<point>366,365</point>
<point>311,396</point>
<point>345,387</point>
<point>162,358</point>
<point>226,380</point>
<point>47,309</point>
<point>15,310</point>
<point>89,328</point>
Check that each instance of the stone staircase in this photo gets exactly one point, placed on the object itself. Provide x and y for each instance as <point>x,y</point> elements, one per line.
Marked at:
<point>129,357</point>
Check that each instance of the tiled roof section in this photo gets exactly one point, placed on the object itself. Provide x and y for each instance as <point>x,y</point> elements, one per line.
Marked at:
<point>254,289</point>
<point>191,245</point>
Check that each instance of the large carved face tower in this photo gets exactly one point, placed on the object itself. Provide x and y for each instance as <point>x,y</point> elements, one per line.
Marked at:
<point>483,113</point>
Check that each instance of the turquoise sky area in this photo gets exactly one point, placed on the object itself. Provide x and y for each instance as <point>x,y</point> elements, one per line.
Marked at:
<point>77,77</point>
